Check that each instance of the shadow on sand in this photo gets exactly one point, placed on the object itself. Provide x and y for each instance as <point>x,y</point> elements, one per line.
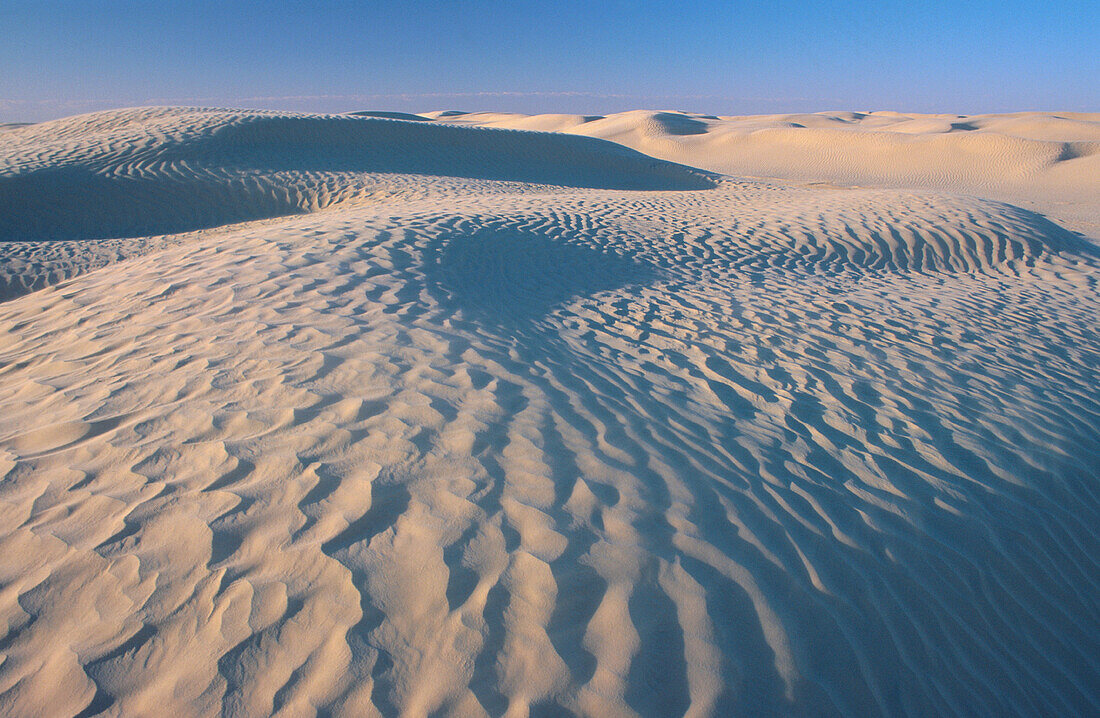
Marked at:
<point>510,279</point>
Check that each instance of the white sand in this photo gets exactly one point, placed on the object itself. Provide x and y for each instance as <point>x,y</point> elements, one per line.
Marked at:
<point>472,422</point>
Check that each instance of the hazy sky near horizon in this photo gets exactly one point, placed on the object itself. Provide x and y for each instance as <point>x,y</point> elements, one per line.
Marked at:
<point>62,57</point>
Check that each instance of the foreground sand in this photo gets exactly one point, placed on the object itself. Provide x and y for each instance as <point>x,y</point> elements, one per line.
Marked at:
<point>524,424</point>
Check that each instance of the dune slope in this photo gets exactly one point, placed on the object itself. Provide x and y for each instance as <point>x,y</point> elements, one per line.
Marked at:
<point>1047,162</point>
<point>159,170</point>
<point>499,448</point>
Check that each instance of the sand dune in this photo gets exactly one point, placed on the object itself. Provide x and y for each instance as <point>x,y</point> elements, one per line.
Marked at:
<point>478,422</point>
<point>1047,162</point>
<point>153,171</point>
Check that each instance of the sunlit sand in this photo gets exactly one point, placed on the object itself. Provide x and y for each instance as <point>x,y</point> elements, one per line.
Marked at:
<point>483,414</point>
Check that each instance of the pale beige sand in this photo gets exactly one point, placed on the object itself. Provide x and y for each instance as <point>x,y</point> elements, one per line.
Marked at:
<point>530,424</point>
<point>1046,162</point>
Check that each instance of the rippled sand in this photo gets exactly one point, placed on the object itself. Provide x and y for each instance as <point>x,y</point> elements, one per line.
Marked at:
<point>472,422</point>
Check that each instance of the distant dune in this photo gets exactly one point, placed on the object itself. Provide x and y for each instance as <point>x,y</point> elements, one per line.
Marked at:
<point>473,414</point>
<point>1045,161</point>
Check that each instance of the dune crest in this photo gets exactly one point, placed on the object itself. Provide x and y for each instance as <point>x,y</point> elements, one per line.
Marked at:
<point>147,171</point>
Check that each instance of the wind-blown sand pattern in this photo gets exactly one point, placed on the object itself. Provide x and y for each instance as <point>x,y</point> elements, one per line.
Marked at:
<point>1042,161</point>
<point>467,421</point>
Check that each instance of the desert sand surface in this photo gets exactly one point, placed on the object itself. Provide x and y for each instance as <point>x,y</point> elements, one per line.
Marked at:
<point>1046,162</point>
<point>652,414</point>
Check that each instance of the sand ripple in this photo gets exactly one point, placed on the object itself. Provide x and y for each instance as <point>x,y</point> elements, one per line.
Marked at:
<point>506,449</point>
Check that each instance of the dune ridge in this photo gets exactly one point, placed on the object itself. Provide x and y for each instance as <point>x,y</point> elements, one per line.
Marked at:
<point>484,447</point>
<point>152,171</point>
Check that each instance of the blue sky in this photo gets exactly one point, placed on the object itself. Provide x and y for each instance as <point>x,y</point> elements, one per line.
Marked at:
<point>62,58</point>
